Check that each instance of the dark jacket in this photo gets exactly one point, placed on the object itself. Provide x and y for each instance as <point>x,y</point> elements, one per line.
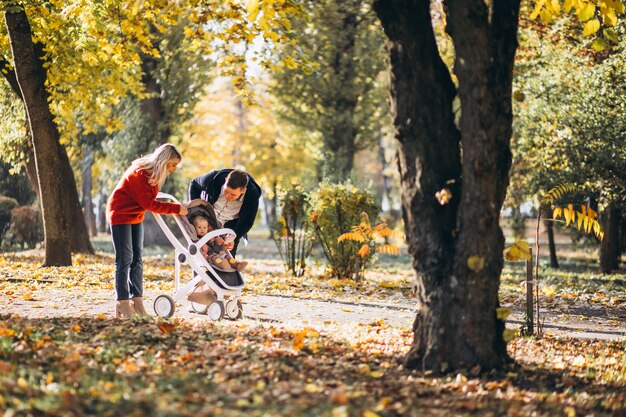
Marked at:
<point>209,187</point>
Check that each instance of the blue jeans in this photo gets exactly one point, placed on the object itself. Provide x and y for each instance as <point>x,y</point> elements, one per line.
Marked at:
<point>128,245</point>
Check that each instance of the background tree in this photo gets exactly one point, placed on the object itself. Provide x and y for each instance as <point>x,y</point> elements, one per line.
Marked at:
<point>336,94</point>
<point>570,127</point>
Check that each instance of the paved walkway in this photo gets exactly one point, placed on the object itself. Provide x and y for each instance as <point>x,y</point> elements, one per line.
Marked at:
<point>51,302</point>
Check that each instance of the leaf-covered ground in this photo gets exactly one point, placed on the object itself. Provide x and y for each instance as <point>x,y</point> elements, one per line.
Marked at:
<point>104,367</point>
<point>86,363</point>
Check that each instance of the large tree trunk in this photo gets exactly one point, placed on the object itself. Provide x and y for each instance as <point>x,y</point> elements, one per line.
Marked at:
<point>77,230</point>
<point>610,245</point>
<point>554,261</point>
<point>31,77</point>
<point>457,245</point>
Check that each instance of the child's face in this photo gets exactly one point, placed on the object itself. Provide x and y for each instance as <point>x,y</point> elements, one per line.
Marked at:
<point>202,227</point>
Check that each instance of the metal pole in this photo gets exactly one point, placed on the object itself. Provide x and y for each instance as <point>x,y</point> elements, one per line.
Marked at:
<point>529,295</point>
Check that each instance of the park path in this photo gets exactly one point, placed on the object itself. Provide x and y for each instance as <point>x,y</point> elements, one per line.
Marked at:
<point>52,301</point>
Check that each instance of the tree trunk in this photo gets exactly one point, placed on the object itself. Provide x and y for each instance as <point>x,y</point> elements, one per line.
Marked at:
<point>153,105</point>
<point>384,165</point>
<point>610,245</point>
<point>31,171</point>
<point>102,201</point>
<point>87,202</point>
<point>456,246</point>
<point>340,134</point>
<point>77,231</point>
<point>31,77</point>
<point>554,262</point>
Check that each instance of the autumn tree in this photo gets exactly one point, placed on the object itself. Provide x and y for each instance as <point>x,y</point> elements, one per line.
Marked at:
<point>335,93</point>
<point>569,126</point>
<point>454,176</point>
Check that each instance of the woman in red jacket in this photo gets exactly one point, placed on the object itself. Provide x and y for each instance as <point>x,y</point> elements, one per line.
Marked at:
<point>134,194</point>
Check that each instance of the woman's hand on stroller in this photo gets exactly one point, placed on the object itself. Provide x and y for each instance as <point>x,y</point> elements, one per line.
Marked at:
<point>183,210</point>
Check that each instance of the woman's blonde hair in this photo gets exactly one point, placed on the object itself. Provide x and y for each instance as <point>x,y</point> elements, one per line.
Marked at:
<point>155,163</point>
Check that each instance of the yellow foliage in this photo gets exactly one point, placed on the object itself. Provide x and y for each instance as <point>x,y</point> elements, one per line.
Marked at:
<point>365,233</point>
<point>476,263</point>
<point>517,251</point>
<point>364,251</point>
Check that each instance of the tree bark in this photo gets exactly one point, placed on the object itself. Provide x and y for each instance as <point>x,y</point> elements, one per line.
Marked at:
<point>610,245</point>
<point>87,202</point>
<point>153,105</point>
<point>77,230</point>
<point>456,246</point>
<point>31,77</point>
<point>339,137</point>
<point>554,262</point>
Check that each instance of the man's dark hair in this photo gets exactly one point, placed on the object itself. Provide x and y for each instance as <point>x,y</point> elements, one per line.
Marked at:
<point>237,179</point>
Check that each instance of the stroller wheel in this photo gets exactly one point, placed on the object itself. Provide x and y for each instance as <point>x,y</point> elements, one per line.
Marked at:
<point>234,309</point>
<point>164,306</point>
<point>198,308</point>
<point>216,310</point>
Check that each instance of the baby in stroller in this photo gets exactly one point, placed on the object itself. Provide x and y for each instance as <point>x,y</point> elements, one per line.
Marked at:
<point>202,217</point>
<point>215,250</point>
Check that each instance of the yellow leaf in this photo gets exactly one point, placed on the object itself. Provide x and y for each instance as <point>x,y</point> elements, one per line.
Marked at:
<point>599,45</point>
<point>502,313</point>
<point>27,297</point>
<point>389,249</point>
<point>364,251</point>
<point>546,16</point>
<point>508,335</point>
<point>610,18</point>
<point>567,5</point>
<point>368,413</point>
<point>476,263</point>
<point>581,217</point>
<point>538,6</point>
<point>556,6</point>
<point>443,196</point>
<point>591,27</point>
<point>558,211</point>
<point>252,7</point>
<point>312,388</point>
<point>587,12</point>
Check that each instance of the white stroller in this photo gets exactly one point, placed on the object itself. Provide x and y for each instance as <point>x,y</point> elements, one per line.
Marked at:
<point>226,285</point>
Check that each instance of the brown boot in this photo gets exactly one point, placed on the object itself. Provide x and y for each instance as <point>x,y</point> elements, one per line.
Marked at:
<point>123,310</point>
<point>138,306</point>
<point>241,266</point>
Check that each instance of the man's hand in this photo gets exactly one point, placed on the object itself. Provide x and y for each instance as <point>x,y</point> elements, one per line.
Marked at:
<point>183,211</point>
<point>229,246</point>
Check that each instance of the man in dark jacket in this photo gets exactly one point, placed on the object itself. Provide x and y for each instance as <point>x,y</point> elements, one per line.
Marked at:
<point>234,195</point>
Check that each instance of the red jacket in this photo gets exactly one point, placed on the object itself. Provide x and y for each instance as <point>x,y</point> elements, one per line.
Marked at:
<point>132,196</point>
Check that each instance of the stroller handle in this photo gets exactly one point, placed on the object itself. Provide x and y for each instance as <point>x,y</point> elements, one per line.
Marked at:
<point>168,196</point>
<point>229,236</point>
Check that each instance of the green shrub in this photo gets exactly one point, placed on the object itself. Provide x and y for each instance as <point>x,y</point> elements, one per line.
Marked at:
<point>335,209</point>
<point>292,232</point>
<point>26,227</point>
<point>7,204</point>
